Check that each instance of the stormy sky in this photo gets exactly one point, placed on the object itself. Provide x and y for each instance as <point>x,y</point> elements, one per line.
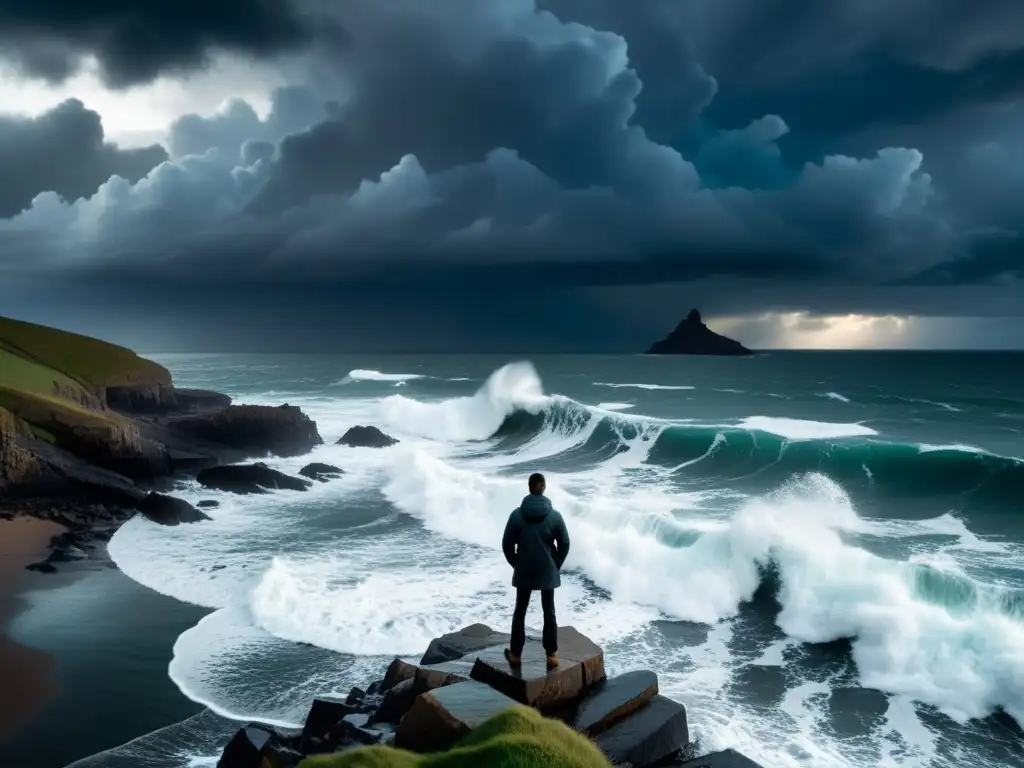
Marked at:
<point>513,175</point>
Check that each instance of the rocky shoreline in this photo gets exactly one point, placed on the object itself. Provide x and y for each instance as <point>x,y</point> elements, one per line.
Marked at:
<point>92,486</point>
<point>462,682</point>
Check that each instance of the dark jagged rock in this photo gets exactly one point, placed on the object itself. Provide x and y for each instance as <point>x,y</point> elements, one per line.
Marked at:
<point>614,699</point>
<point>355,696</point>
<point>465,641</point>
<point>42,567</point>
<point>581,665</point>
<point>321,472</point>
<point>257,747</point>
<point>283,430</point>
<point>208,504</point>
<point>396,703</point>
<point>366,437</point>
<point>350,730</point>
<point>162,399</point>
<point>249,478</point>
<point>441,717</point>
<point>323,716</point>
<point>728,758</point>
<point>648,736</point>
<point>397,671</point>
<point>693,337</point>
<point>167,510</point>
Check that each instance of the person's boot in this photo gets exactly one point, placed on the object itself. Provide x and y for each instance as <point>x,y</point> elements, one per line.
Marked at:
<point>552,661</point>
<point>514,659</point>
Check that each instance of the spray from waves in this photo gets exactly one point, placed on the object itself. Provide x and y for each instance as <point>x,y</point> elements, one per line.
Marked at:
<point>615,406</point>
<point>966,661</point>
<point>366,375</point>
<point>801,429</point>
<point>514,387</point>
<point>642,386</point>
<point>835,396</point>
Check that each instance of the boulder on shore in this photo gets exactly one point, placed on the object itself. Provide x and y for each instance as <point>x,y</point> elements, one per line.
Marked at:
<point>321,472</point>
<point>580,666</point>
<point>282,431</point>
<point>167,510</point>
<point>441,717</point>
<point>366,437</point>
<point>250,478</point>
<point>465,641</point>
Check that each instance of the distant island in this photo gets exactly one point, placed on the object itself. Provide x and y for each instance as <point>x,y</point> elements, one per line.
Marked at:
<point>692,337</point>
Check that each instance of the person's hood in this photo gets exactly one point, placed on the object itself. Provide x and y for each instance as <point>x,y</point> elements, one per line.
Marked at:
<point>535,507</point>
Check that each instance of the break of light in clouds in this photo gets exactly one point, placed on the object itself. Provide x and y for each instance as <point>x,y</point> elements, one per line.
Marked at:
<point>141,115</point>
<point>520,174</point>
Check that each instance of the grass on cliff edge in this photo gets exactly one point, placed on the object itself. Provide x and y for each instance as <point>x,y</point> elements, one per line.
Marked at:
<point>519,737</point>
<point>93,363</point>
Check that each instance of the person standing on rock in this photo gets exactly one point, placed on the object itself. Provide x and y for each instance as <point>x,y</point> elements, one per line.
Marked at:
<point>535,544</point>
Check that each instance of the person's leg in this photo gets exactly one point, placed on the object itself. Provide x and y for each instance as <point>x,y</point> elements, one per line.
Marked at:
<point>518,640</point>
<point>550,635</point>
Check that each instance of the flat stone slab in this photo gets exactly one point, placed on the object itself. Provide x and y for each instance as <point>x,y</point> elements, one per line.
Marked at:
<point>464,642</point>
<point>612,700</point>
<point>441,717</point>
<point>729,758</point>
<point>580,666</point>
<point>649,735</point>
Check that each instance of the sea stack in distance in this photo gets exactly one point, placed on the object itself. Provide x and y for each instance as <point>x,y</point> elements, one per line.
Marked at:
<point>692,337</point>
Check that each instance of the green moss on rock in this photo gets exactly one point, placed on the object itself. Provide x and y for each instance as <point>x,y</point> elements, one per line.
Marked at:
<point>519,737</point>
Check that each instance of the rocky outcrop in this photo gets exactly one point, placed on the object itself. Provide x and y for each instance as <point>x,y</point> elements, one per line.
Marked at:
<point>581,666</point>
<point>321,472</point>
<point>155,398</point>
<point>20,470</point>
<point>366,437</point>
<point>693,337</point>
<point>436,706</point>
<point>117,445</point>
<point>439,718</point>
<point>465,641</point>
<point>167,510</point>
<point>257,429</point>
<point>250,478</point>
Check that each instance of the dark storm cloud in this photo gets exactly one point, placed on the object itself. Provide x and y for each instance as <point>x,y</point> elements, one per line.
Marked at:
<point>136,41</point>
<point>490,146</point>
<point>292,109</point>
<point>63,151</point>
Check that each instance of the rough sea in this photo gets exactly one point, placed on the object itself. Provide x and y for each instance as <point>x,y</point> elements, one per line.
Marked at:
<point>820,554</point>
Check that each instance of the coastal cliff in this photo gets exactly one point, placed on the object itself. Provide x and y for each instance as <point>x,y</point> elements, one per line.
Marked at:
<point>693,337</point>
<point>90,430</point>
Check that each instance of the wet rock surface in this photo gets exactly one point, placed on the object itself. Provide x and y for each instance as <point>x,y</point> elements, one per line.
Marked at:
<point>250,479</point>
<point>430,706</point>
<point>612,700</point>
<point>441,717</point>
<point>581,665</point>
<point>168,510</point>
<point>648,736</point>
<point>455,645</point>
<point>283,430</point>
<point>366,437</point>
<point>321,472</point>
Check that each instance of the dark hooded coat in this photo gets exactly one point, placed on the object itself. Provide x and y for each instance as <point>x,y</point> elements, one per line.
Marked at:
<point>535,544</point>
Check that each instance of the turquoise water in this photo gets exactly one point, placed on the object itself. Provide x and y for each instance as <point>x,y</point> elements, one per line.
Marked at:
<point>820,554</point>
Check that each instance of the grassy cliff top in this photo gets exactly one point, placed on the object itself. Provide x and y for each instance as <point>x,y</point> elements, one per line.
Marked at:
<point>519,737</point>
<point>92,363</point>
